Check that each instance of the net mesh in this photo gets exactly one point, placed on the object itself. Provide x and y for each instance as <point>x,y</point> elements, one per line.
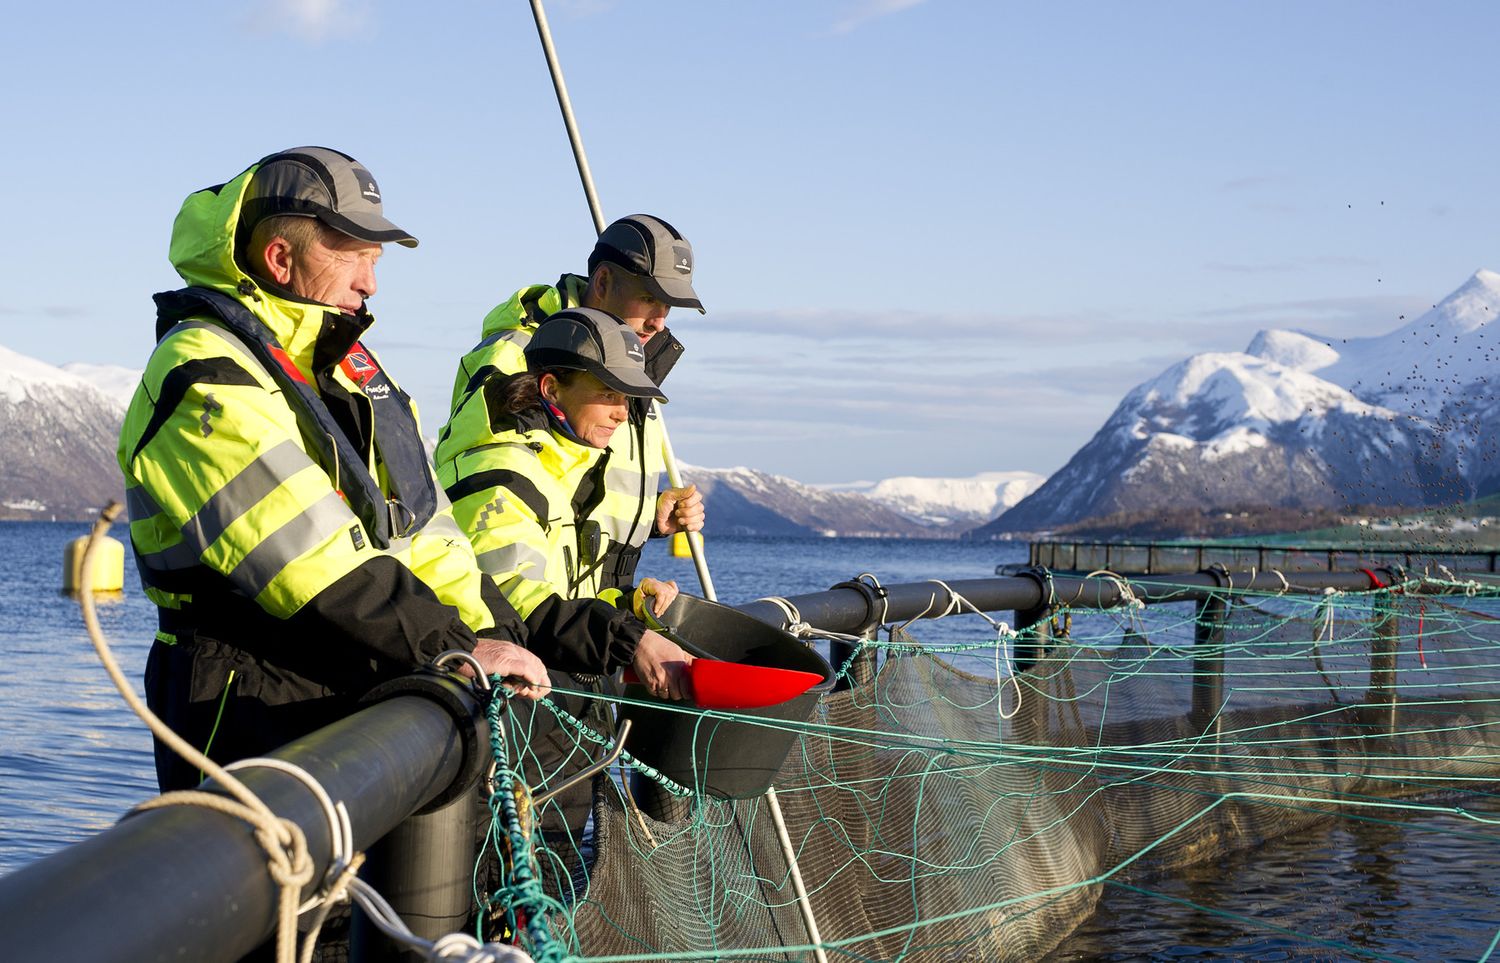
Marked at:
<point>941,808</point>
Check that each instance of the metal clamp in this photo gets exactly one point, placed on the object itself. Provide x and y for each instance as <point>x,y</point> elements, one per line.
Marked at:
<point>459,655</point>
<point>588,771</point>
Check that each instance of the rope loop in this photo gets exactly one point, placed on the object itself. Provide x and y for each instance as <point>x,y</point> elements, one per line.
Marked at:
<point>794,623</point>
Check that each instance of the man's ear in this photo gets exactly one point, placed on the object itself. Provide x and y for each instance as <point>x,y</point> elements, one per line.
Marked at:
<point>600,283</point>
<point>278,260</point>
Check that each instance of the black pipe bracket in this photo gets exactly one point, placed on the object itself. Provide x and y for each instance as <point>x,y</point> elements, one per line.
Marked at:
<point>457,696</point>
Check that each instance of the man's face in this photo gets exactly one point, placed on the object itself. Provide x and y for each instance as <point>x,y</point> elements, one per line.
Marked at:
<point>337,270</point>
<point>627,299</point>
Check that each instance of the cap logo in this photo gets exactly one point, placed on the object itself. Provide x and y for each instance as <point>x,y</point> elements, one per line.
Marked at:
<point>682,259</point>
<point>633,348</point>
<point>367,188</point>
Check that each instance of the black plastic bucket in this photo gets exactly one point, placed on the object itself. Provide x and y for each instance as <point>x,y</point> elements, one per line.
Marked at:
<point>732,760</point>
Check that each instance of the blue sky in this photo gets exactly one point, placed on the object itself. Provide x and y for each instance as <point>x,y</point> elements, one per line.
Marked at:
<point>934,238</point>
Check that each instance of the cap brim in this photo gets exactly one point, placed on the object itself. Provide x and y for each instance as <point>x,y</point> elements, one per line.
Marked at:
<point>367,227</point>
<point>634,384</point>
<point>674,291</point>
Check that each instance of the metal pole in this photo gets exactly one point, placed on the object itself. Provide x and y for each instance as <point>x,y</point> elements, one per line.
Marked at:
<point>1208,665</point>
<point>695,545</point>
<point>1384,643</point>
<point>673,477</point>
<point>545,32</point>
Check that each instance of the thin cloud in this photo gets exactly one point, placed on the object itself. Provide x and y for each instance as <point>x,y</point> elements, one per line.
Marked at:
<point>947,333</point>
<point>1379,313</point>
<point>863,13</point>
<point>1249,183</point>
<point>314,21</point>
<point>821,325</point>
<point>1292,264</point>
<point>1264,267</point>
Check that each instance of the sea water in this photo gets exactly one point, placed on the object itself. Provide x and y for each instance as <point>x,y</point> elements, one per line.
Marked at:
<point>73,759</point>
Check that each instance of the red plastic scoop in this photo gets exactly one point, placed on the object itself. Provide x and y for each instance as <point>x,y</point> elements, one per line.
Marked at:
<point>733,685</point>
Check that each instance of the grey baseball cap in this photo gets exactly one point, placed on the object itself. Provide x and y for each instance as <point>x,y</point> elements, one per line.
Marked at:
<point>587,339</point>
<point>326,184</point>
<point>654,251</point>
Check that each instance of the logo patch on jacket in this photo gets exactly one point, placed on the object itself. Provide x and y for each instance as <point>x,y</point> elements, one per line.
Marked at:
<point>357,537</point>
<point>359,366</point>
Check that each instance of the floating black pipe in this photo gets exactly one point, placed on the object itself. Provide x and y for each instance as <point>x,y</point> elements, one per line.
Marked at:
<point>843,609</point>
<point>187,883</point>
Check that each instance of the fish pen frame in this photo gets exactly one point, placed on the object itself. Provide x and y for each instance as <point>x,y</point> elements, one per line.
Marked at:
<point>182,881</point>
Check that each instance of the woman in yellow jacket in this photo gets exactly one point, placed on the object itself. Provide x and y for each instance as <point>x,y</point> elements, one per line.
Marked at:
<point>525,496</point>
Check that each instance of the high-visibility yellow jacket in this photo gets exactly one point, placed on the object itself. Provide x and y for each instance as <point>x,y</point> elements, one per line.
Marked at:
<point>527,497</point>
<point>627,512</point>
<point>283,516</point>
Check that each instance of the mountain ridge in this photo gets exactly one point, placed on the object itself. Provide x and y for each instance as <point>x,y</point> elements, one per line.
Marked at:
<point>1407,418</point>
<point>59,427</point>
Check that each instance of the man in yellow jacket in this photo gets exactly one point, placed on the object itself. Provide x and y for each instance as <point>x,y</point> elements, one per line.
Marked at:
<point>284,517</point>
<point>640,268</point>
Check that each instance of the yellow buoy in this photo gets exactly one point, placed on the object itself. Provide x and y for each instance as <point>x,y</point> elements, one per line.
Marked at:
<point>108,569</point>
<point>680,546</point>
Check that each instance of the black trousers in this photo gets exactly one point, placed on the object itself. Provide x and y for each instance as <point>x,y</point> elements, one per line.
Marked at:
<point>229,705</point>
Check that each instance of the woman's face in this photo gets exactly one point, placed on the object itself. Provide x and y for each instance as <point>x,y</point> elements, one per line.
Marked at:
<point>593,410</point>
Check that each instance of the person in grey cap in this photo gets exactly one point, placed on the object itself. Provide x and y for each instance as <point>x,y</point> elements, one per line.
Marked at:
<point>639,269</point>
<point>290,575</point>
<point>526,500</point>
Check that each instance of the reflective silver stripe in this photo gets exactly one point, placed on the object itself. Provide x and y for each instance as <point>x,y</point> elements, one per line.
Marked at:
<point>267,560</point>
<point>624,481</point>
<point>499,561</point>
<point>174,559</point>
<point>441,525</point>
<point>140,504</point>
<point>243,492</point>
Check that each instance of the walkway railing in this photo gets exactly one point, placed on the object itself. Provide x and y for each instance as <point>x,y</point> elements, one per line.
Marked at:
<point>1162,558</point>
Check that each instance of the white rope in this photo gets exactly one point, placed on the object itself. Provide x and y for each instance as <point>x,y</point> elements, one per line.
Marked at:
<point>340,831</point>
<point>455,947</point>
<point>282,839</point>
<point>794,623</point>
<point>1005,638</point>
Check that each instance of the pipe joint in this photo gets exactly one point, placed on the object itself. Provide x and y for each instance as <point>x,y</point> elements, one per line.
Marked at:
<point>463,706</point>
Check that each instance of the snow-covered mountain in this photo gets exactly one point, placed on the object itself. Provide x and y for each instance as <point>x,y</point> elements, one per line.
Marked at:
<point>59,427</point>
<point>1297,420</point>
<point>743,501</point>
<point>114,380</point>
<point>949,501</point>
<point>58,432</point>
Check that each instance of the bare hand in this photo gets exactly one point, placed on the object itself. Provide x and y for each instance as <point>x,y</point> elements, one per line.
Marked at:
<point>520,669</point>
<point>662,667</point>
<point>679,510</point>
<point>661,595</point>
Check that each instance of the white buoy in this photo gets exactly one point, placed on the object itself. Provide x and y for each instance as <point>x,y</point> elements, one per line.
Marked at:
<point>108,569</point>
